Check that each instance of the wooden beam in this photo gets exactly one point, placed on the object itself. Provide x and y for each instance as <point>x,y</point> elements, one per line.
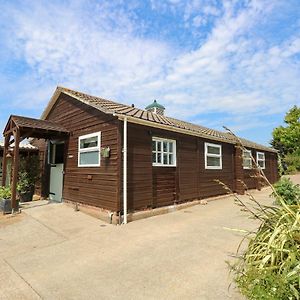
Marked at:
<point>15,170</point>
<point>11,129</point>
<point>4,161</point>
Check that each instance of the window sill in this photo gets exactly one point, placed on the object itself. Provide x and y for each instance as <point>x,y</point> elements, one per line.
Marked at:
<point>213,168</point>
<point>168,166</point>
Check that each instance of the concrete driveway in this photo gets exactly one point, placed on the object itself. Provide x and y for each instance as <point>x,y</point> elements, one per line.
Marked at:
<point>52,252</point>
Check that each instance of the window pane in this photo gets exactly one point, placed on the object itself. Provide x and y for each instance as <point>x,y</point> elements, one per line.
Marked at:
<point>247,163</point>
<point>158,146</point>
<point>153,146</point>
<point>213,161</point>
<point>165,146</point>
<point>261,163</point>
<point>171,147</point>
<point>165,159</point>
<point>89,142</point>
<point>213,150</point>
<point>89,158</point>
<point>159,158</point>
<point>261,156</point>
<point>247,154</point>
<point>154,157</point>
<point>171,162</point>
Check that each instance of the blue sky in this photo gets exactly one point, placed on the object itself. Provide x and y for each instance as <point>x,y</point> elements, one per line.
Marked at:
<point>214,63</point>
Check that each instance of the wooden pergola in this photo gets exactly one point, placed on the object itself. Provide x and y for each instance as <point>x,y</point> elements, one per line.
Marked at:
<point>16,130</point>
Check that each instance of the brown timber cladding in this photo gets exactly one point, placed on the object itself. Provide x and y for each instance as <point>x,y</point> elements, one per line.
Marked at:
<point>270,171</point>
<point>151,186</point>
<point>80,119</point>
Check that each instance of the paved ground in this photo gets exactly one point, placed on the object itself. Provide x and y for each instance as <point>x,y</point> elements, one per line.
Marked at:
<point>52,252</point>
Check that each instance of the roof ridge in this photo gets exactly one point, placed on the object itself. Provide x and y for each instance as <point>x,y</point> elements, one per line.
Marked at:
<point>137,113</point>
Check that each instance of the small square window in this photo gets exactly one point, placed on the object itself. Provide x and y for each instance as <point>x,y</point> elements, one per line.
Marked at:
<point>89,150</point>
<point>213,156</point>
<point>164,153</point>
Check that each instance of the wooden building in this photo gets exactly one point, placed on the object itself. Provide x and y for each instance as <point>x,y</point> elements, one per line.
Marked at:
<point>122,158</point>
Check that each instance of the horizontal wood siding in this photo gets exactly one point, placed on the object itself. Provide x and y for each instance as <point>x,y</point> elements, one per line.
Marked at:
<point>152,186</point>
<point>164,186</point>
<point>271,170</point>
<point>208,185</point>
<point>139,168</point>
<point>97,186</point>
<point>188,168</point>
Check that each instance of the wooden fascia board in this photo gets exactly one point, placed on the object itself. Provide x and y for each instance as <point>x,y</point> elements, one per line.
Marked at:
<point>9,128</point>
<point>54,98</point>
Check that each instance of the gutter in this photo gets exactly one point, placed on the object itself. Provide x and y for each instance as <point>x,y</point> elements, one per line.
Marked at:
<point>184,131</point>
<point>170,128</point>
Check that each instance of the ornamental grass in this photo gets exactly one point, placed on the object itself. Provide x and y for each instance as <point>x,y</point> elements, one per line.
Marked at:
<point>269,267</point>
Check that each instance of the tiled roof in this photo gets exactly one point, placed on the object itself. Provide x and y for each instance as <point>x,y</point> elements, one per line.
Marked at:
<point>111,107</point>
<point>37,124</point>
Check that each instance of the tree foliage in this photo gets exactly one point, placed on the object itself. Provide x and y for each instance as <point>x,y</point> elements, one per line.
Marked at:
<point>286,139</point>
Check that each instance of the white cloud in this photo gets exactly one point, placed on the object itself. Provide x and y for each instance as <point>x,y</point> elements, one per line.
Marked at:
<point>105,52</point>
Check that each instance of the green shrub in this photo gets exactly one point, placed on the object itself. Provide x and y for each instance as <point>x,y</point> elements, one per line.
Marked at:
<point>289,192</point>
<point>270,266</point>
<point>258,284</point>
<point>292,160</point>
<point>29,172</point>
<point>5,193</point>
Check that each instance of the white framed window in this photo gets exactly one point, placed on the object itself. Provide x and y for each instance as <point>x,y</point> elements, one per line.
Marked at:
<point>89,150</point>
<point>247,160</point>
<point>260,159</point>
<point>163,152</point>
<point>213,156</point>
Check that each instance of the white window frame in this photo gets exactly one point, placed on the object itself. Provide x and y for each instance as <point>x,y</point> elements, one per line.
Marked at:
<point>261,159</point>
<point>248,158</point>
<point>91,149</point>
<point>159,139</point>
<point>206,145</point>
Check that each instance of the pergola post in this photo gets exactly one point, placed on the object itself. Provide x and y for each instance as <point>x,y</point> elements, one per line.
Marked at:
<point>4,160</point>
<point>14,205</point>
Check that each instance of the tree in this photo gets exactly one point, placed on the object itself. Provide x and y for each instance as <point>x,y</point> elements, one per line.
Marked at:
<point>286,139</point>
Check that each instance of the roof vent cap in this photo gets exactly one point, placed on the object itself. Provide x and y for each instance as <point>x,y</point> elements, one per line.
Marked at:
<point>156,108</point>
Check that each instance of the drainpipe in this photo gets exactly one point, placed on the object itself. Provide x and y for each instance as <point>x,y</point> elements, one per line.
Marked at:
<point>125,172</point>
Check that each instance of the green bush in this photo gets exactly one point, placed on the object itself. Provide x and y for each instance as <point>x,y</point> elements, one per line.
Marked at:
<point>289,192</point>
<point>5,193</point>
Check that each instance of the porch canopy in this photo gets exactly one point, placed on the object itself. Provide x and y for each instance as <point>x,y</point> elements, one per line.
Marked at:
<point>16,130</point>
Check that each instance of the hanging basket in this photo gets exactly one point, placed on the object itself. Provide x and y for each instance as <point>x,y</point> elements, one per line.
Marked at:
<point>105,152</point>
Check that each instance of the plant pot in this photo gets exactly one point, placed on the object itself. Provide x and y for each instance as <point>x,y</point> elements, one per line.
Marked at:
<point>5,205</point>
<point>26,196</point>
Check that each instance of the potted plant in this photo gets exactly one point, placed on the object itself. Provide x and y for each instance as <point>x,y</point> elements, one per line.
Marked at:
<point>5,199</point>
<point>29,173</point>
